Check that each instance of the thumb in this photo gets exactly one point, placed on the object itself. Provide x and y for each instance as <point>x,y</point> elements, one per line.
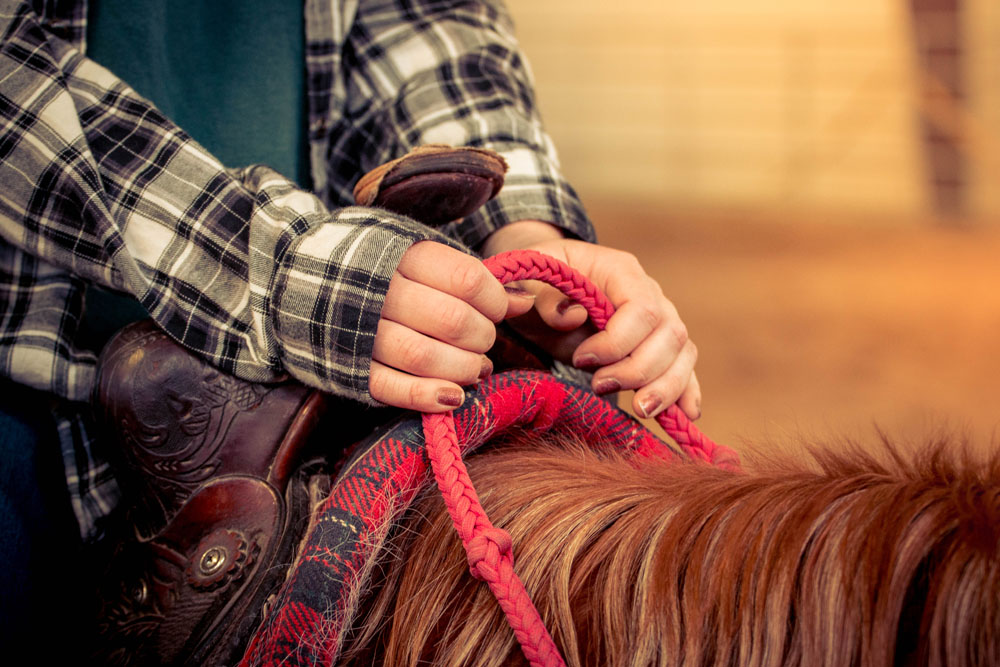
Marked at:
<point>519,299</point>
<point>557,310</point>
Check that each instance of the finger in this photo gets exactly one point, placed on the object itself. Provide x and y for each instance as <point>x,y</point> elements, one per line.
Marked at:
<point>560,344</point>
<point>438,315</point>
<point>519,300</point>
<point>665,390</point>
<point>556,310</point>
<point>414,353</point>
<point>401,390</point>
<point>453,272</point>
<point>617,273</point>
<point>647,362</point>
<point>690,400</point>
<point>632,324</point>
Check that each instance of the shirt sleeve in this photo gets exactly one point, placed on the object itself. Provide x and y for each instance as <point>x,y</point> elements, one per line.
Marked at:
<point>238,265</point>
<point>450,71</point>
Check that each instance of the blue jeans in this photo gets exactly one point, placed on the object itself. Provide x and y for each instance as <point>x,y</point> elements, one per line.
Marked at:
<point>41,579</point>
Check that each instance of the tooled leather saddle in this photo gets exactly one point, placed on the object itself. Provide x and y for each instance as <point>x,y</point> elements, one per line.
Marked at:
<point>218,475</point>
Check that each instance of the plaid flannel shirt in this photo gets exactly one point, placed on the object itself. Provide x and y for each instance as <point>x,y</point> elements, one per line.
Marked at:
<point>239,265</point>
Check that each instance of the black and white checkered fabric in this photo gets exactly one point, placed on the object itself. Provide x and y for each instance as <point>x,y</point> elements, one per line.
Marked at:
<point>262,279</point>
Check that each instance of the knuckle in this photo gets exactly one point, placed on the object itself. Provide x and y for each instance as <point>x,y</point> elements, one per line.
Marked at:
<point>692,350</point>
<point>650,315</point>
<point>627,259</point>
<point>673,388</point>
<point>679,333</point>
<point>481,341</point>
<point>414,354</point>
<point>641,376</point>
<point>381,387</point>
<point>415,394</point>
<point>612,349</point>
<point>633,264</point>
<point>469,279</point>
<point>454,321</point>
<point>376,386</point>
<point>471,371</point>
<point>655,289</point>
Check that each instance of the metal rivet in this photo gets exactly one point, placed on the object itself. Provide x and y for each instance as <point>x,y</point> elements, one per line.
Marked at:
<point>139,592</point>
<point>212,560</point>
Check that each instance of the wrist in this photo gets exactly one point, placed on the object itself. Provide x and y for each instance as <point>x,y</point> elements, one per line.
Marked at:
<point>518,235</point>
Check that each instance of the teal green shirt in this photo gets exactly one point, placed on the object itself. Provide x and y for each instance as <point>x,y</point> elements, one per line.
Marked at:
<point>231,73</point>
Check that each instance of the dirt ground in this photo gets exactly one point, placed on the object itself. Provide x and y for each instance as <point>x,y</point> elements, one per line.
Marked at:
<point>826,331</point>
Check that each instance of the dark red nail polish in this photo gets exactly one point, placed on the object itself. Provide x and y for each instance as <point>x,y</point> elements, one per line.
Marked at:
<point>518,291</point>
<point>607,386</point>
<point>563,306</point>
<point>650,405</point>
<point>451,398</point>
<point>587,361</point>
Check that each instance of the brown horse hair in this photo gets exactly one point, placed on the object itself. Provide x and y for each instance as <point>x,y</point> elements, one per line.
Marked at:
<point>851,558</point>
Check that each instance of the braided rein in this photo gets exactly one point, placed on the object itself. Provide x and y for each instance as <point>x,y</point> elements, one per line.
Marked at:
<point>489,548</point>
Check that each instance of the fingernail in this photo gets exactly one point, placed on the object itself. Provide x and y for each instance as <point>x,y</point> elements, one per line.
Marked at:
<point>586,361</point>
<point>650,405</point>
<point>451,398</point>
<point>487,368</point>
<point>607,386</point>
<point>565,305</point>
<point>519,292</point>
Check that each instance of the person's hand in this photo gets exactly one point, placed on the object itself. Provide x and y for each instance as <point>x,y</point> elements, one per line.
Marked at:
<point>437,322</point>
<point>645,345</point>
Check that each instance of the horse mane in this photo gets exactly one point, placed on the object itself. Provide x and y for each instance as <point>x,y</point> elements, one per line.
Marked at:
<point>852,558</point>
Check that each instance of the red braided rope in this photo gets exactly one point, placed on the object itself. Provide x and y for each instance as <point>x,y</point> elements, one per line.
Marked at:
<point>531,265</point>
<point>489,548</point>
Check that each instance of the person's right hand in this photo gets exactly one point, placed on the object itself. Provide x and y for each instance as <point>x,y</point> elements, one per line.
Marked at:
<point>437,322</point>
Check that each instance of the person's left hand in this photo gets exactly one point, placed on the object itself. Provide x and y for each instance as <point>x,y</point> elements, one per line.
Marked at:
<point>645,345</point>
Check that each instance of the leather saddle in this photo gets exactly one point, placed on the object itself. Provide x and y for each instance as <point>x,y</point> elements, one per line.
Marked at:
<point>218,475</point>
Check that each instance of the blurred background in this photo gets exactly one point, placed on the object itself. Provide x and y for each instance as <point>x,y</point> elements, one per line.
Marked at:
<point>813,182</point>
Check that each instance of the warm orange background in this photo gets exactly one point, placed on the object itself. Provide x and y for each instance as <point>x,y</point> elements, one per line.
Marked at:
<point>765,160</point>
